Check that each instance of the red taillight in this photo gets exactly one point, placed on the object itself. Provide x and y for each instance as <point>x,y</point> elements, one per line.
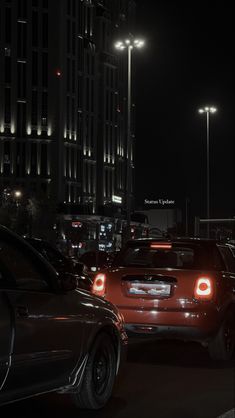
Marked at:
<point>98,287</point>
<point>163,246</point>
<point>204,288</point>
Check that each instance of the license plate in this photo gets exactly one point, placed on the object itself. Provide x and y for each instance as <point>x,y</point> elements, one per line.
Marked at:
<point>148,289</point>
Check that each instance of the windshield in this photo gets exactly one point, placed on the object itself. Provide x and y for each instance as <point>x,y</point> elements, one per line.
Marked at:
<point>177,257</point>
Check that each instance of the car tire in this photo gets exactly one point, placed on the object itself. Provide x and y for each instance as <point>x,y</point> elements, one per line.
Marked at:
<point>223,344</point>
<point>99,376</point>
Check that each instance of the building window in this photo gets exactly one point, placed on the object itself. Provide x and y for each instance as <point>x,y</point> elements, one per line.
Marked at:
<point>33,171</point>
<point>44,187</point>
<point>68,113</point>
<point>8,25</point>
<point>45,4</point>
<point>92,95</point>
<point>73,8</point>
<point>73,115</point>
<point>35,29</point>
<point>68,36</point>
<point>45,69</point>
<point>68,74</point>
<point>73,76</point>
<point>87,94</point>
<point>68,7</point>
<point>44,105</point>
<point>7,105</point>
<point>7,158</point>
<point>18,159</point>
<point>35,68</point>
<point>21,75</point>
<point>45,30</point>
<point>23,160</point>
<point>73,38</point>
<point>80,54</point>
<point>80,92</point>
<point>44,160</point>
<point>21,118</point>
<point>22,9</point>
<point>92,65</point>
<point>34,108</point>
<point>21,40</point>
<point>7,69</point>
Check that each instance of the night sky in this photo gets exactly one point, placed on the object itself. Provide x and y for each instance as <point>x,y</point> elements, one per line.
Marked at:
<point>187,63</point>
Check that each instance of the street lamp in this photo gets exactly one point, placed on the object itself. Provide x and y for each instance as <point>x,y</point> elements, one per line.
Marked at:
<point>17,194</point>
<point>208,110</point>
<point>129,44</point>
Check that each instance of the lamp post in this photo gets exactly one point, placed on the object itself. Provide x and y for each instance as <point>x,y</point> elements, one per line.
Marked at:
<point>17,196</point>
<point>207,110</point>
<point>129,44</point>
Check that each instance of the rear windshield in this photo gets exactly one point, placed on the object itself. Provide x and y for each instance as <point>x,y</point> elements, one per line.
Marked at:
<point>178,257</point>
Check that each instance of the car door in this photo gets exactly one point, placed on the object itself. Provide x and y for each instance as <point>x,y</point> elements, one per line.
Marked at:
<point>6,334</point>
<point>48,328</point>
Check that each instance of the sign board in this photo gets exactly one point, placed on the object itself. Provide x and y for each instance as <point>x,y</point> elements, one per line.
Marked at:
<point>117,199</point>
<point>160,203</point>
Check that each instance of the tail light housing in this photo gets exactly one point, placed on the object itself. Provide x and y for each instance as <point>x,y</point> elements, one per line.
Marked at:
<point>204,288</point>
<point>161,245</point>
<point>99,285</point>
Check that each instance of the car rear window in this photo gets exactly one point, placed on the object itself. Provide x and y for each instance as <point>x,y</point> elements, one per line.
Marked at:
<point>178,257</point>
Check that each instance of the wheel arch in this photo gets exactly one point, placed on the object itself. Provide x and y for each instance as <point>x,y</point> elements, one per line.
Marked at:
<point>108,329</point>
<point>113,333</point>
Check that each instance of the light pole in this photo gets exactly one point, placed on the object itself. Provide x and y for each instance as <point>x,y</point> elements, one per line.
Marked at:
<point>129,44</point>
<point>208,110</point>
<point>17,195</point>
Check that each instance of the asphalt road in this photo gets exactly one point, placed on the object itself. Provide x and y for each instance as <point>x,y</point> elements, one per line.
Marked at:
<point>160,380</point>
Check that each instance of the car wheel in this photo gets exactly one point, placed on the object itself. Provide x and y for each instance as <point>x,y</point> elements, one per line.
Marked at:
<point>222,346</point>
<point>99,377</point>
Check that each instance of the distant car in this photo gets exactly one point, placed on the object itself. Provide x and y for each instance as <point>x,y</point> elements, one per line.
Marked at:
<point>61,263</point>
<point>96,260</point>
<point>175,288</point>
<point>54,337</point>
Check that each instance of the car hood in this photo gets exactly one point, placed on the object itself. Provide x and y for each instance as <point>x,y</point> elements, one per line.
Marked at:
<point>101,305</point>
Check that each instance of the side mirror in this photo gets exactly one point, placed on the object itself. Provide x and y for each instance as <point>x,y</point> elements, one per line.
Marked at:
<point>85,283</point>
<point>80,268</point>
<point>68,282</point>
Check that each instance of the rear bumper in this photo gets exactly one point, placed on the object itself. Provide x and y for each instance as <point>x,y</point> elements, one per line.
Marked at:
<point>185,325</point>
<point>168,332</point>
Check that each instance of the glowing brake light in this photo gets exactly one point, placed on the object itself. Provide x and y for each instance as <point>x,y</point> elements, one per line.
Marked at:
<point>203,288</point>
<point>161,245</point>
<point>99,285</point>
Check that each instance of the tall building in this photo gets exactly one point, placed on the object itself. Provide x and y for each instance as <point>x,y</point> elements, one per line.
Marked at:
<point>63,101</point>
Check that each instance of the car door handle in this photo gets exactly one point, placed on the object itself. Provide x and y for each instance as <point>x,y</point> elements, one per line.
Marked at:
<point>22,312</point>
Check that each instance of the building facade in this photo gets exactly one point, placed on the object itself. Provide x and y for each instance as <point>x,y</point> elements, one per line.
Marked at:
<point>63,101</point>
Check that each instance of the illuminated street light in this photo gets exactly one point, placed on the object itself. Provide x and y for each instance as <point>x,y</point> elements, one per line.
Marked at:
<point>207,110</point>
<point>17,194</point>
<point>129,44</point>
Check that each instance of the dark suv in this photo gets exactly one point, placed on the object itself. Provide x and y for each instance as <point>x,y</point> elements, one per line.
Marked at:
<point>62,263</point>
<point>54,337</point>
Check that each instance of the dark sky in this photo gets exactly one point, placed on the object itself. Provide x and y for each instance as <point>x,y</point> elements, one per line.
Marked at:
<point>188,62</point>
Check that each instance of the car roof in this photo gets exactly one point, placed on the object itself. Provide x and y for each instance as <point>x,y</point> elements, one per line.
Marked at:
<point>13,236</point>
<point>34,239</point>
<point>181,240</point>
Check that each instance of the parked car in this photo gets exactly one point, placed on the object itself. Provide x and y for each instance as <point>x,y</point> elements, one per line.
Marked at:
<point>61,263</point>
<point>180,288</point>
<point>54,337</point>
<point>96,260</point>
